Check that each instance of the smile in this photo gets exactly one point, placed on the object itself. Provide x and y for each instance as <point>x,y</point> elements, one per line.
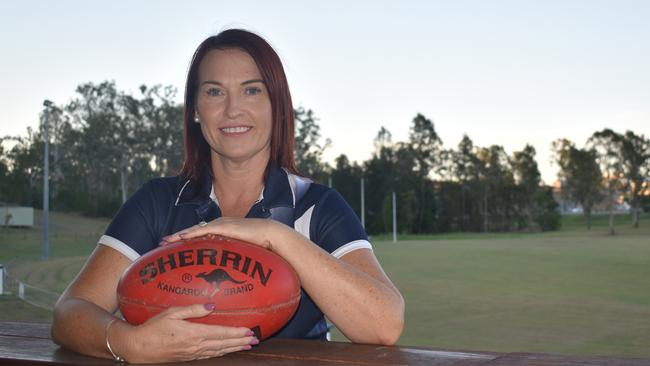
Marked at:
<point>235,129</point>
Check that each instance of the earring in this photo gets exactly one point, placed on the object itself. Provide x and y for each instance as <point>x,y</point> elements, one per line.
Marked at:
<point>196,118</point>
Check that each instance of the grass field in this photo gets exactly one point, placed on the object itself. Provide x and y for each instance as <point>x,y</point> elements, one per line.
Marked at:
<point>568,292</point>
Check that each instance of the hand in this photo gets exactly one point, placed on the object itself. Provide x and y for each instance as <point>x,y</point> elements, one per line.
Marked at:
<point>255,231</point>
<point>168,337</point>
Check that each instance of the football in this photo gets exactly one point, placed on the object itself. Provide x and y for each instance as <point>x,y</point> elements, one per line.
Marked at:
<point>249,285</point>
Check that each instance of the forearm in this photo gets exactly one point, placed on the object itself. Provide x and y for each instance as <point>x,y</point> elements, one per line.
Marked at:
<point>80,326</point>
<point>363,308</point>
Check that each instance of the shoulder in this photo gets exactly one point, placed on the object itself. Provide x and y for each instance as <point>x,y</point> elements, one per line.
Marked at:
<point>316,194</point>
<point>307,193</point>
<point>137,226</point>
<point>165,188</point>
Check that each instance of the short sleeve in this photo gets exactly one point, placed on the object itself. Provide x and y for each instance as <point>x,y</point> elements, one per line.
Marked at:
<point>335,227</point>
<point>132,230</point>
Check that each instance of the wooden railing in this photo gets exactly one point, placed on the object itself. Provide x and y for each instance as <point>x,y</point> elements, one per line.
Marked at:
<point>30,344</point>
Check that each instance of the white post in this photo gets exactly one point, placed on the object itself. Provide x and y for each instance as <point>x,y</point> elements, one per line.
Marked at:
<point>363,206</point>
<point>394,219</point>
<point>2,279</point>
<point>329,182</point>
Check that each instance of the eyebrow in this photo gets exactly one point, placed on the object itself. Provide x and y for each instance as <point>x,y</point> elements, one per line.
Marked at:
<point>252,81</point>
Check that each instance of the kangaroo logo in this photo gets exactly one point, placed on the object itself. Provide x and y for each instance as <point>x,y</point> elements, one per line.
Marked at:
<point>217,277</point>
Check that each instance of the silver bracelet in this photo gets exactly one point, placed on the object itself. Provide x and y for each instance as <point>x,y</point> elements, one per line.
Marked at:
<point>117,358</point>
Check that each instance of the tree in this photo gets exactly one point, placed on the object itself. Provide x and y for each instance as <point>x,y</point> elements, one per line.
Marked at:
<point>579,175</point>
<point>528,178</point>
<point>547,216</point>
<point>466,171</point>
<point>608,146</point>
<point>309,150</point>
<point>103,144</point>
<point>498,182</point>
<point>164,128</point>
<point>636,170</point>
<point>4,172</point>
<point>379,173</point>
<point>24,161</point>
<point>346,180</point>
<point>426,147</point>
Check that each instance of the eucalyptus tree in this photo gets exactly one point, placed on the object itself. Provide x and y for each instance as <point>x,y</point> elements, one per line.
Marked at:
<point>24,169</point>
<point>528,178</point>
<point>466,168</point>
<point>498,182</point>
<point>608,146</point>
<point>636,170</point>
<point>346,178</point>
<point>579,174</point>
<point>308,146</point>
<point>163,119</point>
<point>379,173</point>
<point>426,147</point>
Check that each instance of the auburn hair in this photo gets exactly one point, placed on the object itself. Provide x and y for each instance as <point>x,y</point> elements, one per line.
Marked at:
<point>197,150</point>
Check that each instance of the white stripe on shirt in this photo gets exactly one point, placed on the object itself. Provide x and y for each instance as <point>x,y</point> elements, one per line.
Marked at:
<point>351,247</point>
<point>118,245</point>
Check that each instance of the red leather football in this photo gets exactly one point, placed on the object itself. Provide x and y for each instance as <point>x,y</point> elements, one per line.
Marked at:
<point>249,285</point>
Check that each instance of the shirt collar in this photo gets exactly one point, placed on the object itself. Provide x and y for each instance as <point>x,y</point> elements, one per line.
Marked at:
<point>278,190</point>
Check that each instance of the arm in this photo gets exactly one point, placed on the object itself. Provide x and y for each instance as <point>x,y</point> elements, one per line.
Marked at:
<point>363,303</point>
<point>87,306</point>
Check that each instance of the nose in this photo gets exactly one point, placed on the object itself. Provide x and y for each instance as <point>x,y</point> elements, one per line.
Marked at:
<point>233,107</point>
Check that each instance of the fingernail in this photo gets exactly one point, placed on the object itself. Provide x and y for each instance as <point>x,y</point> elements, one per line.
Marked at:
<point>164,238</point>
<point>250,333</point>
<point>209,306</point>
<point>247,347</point>
<point>254,341</point>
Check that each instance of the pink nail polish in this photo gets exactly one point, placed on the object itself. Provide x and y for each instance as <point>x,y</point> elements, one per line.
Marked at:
<point>247,347</point>
<point>250,333</point>
<point>254,341</point>
<point>209,306</point>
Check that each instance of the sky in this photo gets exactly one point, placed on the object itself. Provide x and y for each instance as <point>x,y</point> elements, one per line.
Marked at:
<point>503,72</point>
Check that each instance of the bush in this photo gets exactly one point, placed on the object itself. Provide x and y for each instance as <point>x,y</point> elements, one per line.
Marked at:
<point>548,214</point>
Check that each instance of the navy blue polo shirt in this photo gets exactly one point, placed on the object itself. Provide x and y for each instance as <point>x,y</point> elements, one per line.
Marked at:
<point>164,206</point>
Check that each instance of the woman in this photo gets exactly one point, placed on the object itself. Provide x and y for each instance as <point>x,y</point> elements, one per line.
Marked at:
<point>238,172</point>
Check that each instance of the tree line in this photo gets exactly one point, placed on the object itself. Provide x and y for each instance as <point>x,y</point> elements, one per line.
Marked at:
<point>105,143</point>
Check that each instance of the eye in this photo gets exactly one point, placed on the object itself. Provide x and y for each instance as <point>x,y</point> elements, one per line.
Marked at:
<point>213,92</point>
<point>252,90</point>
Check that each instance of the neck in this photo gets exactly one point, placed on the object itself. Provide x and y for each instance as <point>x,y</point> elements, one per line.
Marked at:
<point>237,184</point>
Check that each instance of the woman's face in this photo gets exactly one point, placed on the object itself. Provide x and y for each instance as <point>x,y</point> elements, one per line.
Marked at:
<point>233,106</point>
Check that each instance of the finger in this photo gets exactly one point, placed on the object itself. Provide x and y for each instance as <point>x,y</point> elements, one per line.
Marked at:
<point>197,230</point>
<point>211,344</point>
<point>165,243</point>
<point>200,229</point>
<point>223,351</point>
<point>220,332</point>
<point>190,311</point>
<point>236,349</point>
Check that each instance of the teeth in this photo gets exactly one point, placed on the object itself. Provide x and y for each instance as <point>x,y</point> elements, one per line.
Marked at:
<point>235,129</point>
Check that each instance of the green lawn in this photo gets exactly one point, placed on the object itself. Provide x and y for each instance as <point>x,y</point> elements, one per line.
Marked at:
<point>571,292</point>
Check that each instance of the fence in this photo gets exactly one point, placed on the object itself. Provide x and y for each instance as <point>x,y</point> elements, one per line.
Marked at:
<point>33,295</point>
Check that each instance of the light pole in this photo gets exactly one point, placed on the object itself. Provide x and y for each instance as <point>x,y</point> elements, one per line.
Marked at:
<point>46,180</point>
